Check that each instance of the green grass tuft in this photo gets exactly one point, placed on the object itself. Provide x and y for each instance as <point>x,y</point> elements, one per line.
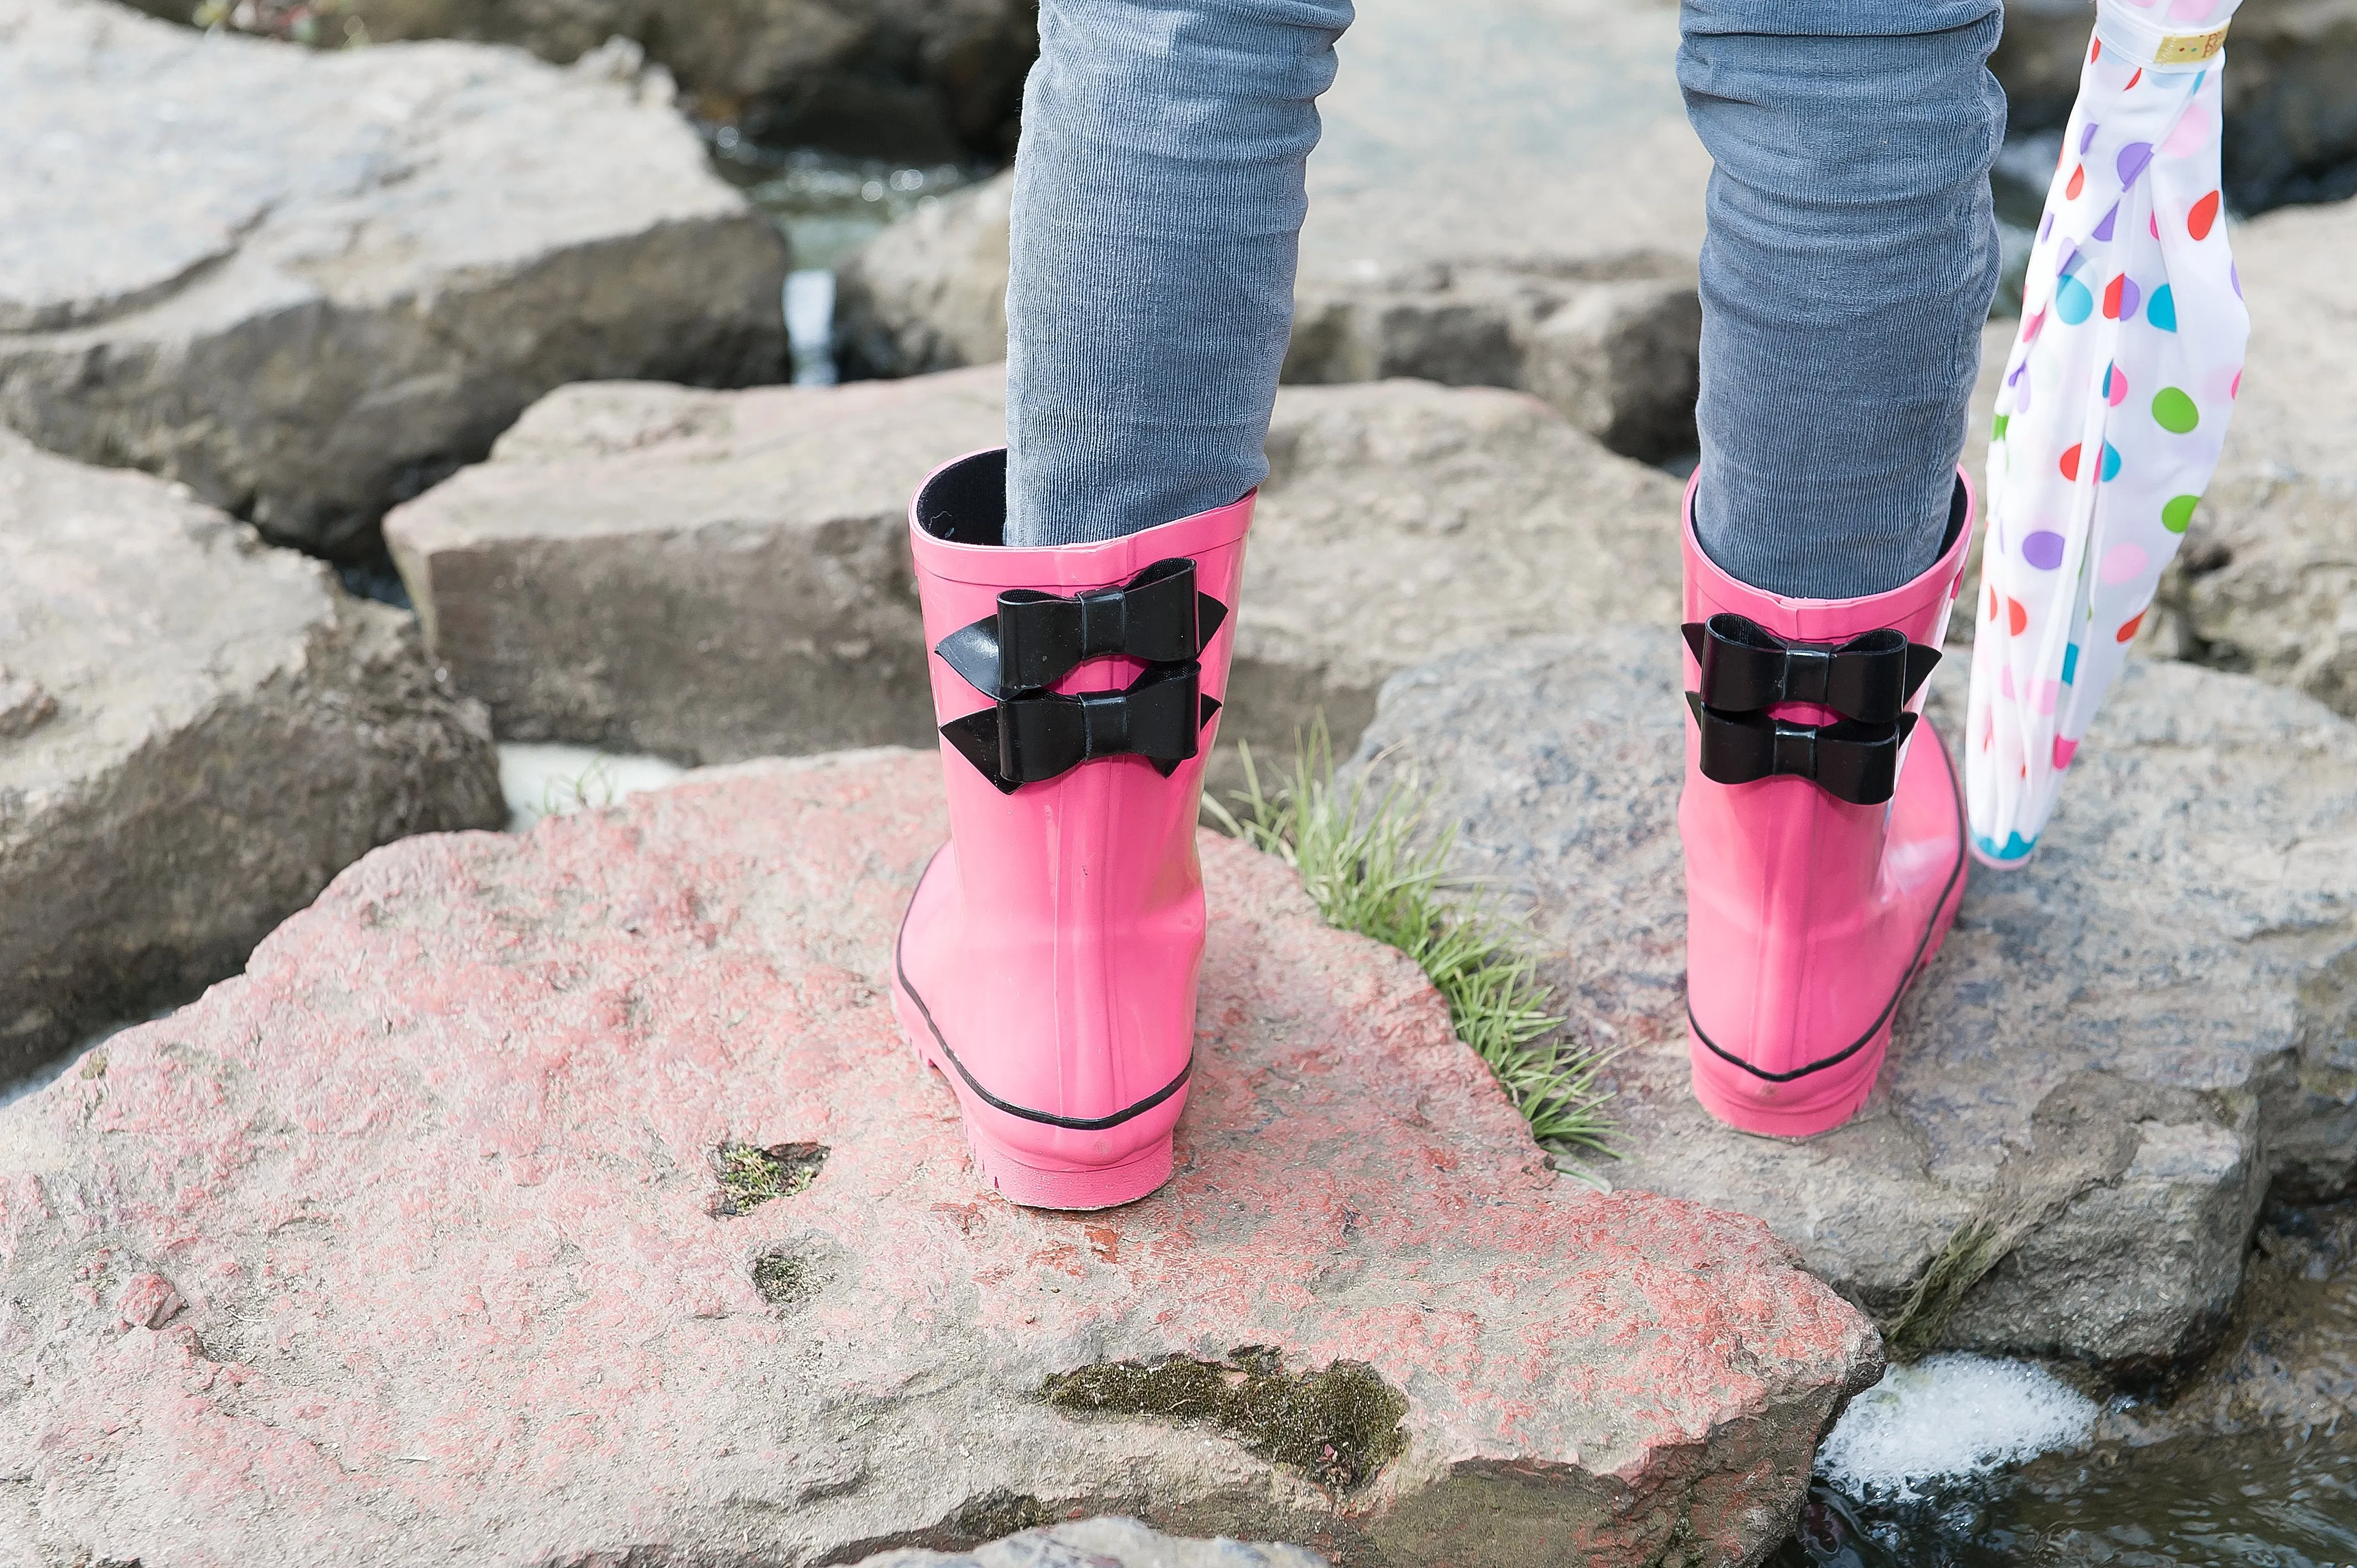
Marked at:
<point>1370,868</point>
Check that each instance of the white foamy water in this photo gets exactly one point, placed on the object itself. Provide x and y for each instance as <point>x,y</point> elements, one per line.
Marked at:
<point>1947,1418</point>
<point>553,780</point>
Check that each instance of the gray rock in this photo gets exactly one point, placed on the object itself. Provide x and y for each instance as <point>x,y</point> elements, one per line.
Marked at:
<point>2120,1047</point>
<point>308,285</point>
<point>714,576</point>
<point>2287,1368</point>
<point>930,293</point>
<point>706,575</point>
<point>1402,520</point>
<point>916,79</point>
<point>197,732</point>
<point>1538,231</point>
<point>1102,1543</point>
<point>1618,358</point>
<point>2289,112</point>
<point>2266,581</point>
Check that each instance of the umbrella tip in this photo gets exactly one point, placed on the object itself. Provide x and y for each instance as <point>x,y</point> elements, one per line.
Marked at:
<point>2013,854</point>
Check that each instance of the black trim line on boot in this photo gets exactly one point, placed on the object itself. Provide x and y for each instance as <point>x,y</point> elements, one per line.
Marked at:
<point>1914,965</point>
<point>1072,1123</point>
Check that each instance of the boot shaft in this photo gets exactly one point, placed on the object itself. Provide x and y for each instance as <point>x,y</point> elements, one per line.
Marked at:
<point>1801,833</point>
<point>1110,839</point>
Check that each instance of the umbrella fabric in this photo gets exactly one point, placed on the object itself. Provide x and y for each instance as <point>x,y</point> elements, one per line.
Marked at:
<point>2113,408</point>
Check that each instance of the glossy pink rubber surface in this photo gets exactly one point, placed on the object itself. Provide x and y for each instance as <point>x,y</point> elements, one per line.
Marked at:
<point>1807,916</point>
<point>1048,960</point>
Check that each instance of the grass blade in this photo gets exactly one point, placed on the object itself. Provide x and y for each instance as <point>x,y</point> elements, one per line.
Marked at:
<point>1370,868</point>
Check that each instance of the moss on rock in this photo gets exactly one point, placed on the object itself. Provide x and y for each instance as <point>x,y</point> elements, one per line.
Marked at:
<point>750,1175</point>
<point>1338,1426</point>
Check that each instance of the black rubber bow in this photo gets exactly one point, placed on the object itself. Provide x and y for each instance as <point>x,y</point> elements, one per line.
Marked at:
<point>1030,739</point>
<point>1037,638</point>
<point>1745,667</point>
<point>1850,761</point>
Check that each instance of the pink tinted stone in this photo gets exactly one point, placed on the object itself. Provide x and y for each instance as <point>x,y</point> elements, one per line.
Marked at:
<point>148,1302</point>
<point>408,1347</point>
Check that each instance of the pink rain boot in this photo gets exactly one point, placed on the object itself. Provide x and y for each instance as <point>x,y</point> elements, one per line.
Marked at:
<point>1825,853</point>
<point>1046,964</point>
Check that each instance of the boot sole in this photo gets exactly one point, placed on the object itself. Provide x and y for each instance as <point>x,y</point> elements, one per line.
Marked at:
<point>1029,1186</point>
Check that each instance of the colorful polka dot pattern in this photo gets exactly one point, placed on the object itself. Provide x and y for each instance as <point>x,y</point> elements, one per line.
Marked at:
<point>2130,347</point>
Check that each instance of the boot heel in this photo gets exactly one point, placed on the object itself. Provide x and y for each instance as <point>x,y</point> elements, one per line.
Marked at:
<point>1730,1095</point>
<point>1033,1188</point>
<point>1031,1185</point>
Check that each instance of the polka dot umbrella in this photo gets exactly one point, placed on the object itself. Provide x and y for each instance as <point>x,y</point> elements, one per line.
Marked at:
<point>2113,408</point>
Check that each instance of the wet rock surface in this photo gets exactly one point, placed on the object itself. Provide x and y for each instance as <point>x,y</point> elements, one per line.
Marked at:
<point>716,575</point>
<point>1566,268</point>
<point>2266,580</point>
<point>2289,1362</point>
<point>2118,1051</point>
<point>438,1183</point>
<point>196,731</point>
<point>309,284</point>
<point>2249,1459</point>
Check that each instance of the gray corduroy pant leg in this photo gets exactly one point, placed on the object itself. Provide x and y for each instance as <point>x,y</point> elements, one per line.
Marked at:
<point>1851,258</point>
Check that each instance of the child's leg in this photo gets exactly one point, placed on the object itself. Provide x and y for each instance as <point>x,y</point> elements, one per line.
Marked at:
<point>1851,258</point>
<point>1158,201</point>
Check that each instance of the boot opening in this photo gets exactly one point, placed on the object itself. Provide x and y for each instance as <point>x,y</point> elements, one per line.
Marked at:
<point>1960,509</point>
<point>966,503</point>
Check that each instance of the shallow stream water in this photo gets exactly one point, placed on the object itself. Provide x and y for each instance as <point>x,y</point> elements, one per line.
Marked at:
<point>2250,1462</point>
<point>827,205</point>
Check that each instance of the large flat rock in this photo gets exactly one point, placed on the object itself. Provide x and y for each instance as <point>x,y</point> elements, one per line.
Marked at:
<point>2119,1048</point>
<point>1538,231</point>
<point>196,731</point>
<point>2266,581</point>
<point>718,575</point>
<point>411,1241</point>
<point>308,285</point>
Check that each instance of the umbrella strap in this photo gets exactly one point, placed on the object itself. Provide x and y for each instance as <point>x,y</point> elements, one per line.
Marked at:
<point>2147,44</point>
